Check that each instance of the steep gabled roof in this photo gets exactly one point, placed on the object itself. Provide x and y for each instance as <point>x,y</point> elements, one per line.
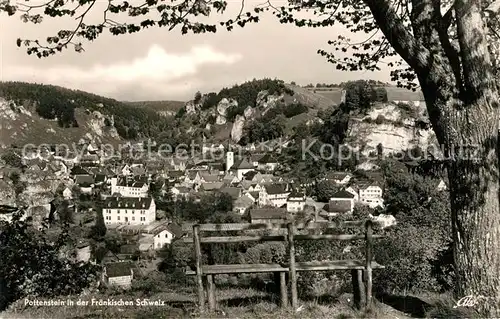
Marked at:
<point>78,170</point>
<point>343,194</point>
<point>210,177</point>
<point>268,158</point>
<point>119,269</point>
<point>175,229</point>
<point>250,175</point>
<point>232,191</point>
<point>339,206</point>
<point>84,180</point>
<point>243,163</point>
<point>175,174</point>
<point>274,189</point>
<point>211,186</point>
<point>127,203</point>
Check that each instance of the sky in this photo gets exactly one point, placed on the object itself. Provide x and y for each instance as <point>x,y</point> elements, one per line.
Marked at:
<point>158,64</point>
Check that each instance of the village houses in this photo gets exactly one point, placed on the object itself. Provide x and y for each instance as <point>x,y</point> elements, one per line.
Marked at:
<point>119,274</point>
<point>275,195</point>
<point>295,202</point>
<point>129,187</point>
<point>129,210</point>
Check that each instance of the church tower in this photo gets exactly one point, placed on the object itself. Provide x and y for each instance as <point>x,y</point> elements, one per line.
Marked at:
<point>229,160</point>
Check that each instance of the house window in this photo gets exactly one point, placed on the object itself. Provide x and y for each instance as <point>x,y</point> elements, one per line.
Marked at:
<point>133,218</point>
<point>117,217</point>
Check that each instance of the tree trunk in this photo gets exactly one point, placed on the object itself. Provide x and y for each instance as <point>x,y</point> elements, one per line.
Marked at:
<point>468,133</point>
<point>470,143</point>
<point>476,230</point>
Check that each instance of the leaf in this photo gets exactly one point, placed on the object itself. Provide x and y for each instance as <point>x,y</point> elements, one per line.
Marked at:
<point>79,48</point>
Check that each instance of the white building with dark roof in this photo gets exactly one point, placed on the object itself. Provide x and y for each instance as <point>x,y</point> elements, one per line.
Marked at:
<point>242,166</point>
<point>129,211</point>
<point>368,193</point>
<point>341,202</point>
<point>118,274</point>
<point>295,202</point>
<point>129,187</point>
<point>165,234</point>
<point>274,195</point>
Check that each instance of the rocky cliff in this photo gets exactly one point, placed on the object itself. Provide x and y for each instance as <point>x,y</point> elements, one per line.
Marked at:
<point>21,125</point>
<point>227,118</point>
<point>396,127</point>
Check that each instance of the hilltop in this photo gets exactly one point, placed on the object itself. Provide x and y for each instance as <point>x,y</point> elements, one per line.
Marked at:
<point>235,113</point>
<point>393,93</point>
<point>38,113</point>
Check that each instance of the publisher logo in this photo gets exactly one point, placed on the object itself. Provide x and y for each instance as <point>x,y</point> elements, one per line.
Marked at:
<point>471,301</point>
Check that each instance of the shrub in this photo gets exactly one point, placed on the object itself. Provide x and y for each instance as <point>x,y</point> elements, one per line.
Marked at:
<point>294,109</point>
<point>406,253</point>
<point>149,285</point>
<point>197,97</point>
<point>33,265</point>
<point>416,251</point>
<point>380,120</point>
<point>325,190</point>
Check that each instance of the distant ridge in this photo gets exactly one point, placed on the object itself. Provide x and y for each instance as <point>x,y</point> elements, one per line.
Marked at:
<point>158,106</point>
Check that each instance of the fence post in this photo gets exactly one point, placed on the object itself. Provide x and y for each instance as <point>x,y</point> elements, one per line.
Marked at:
<point>211,292</point>
<point>283,290</point>
<point>199,275</point>
<point>292,270</point>
<point>368,238</point>
<point>358,288</point>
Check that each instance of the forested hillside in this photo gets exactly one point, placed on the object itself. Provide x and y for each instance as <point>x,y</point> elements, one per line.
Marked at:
<point>58,103</point>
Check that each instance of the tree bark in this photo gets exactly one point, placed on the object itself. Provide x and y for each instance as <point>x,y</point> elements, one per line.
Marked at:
<point>468,134</point>
<point>473,176</point>
<point>460,90</point>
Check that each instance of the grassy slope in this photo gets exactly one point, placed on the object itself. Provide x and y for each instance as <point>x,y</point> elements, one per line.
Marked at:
<point>232,303</point>
<point>393,94</point>
<point>245,303</point>
<point>34,129</point>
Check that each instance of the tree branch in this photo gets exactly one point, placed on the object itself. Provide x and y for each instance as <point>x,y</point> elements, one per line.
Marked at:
<point>451,53</point>
<point>395,32</point>
<point>494,7</point>
<point>473,41</point>
<point>447,18</point>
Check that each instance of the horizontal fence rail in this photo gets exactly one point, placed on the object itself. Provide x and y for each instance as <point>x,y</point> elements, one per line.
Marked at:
<point>237,239</point>
<point>249,226</point>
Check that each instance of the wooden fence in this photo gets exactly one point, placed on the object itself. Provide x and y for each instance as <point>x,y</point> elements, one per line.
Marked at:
<point>361,270</point>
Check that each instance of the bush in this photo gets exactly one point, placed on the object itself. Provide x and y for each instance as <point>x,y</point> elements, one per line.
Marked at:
<point>380,119</point>
<point>294,109</point>
<point>325,190</point>
<point>149,285</point>
<point>416,251</point>
<point>33,265</point>
<point>407,253</point>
